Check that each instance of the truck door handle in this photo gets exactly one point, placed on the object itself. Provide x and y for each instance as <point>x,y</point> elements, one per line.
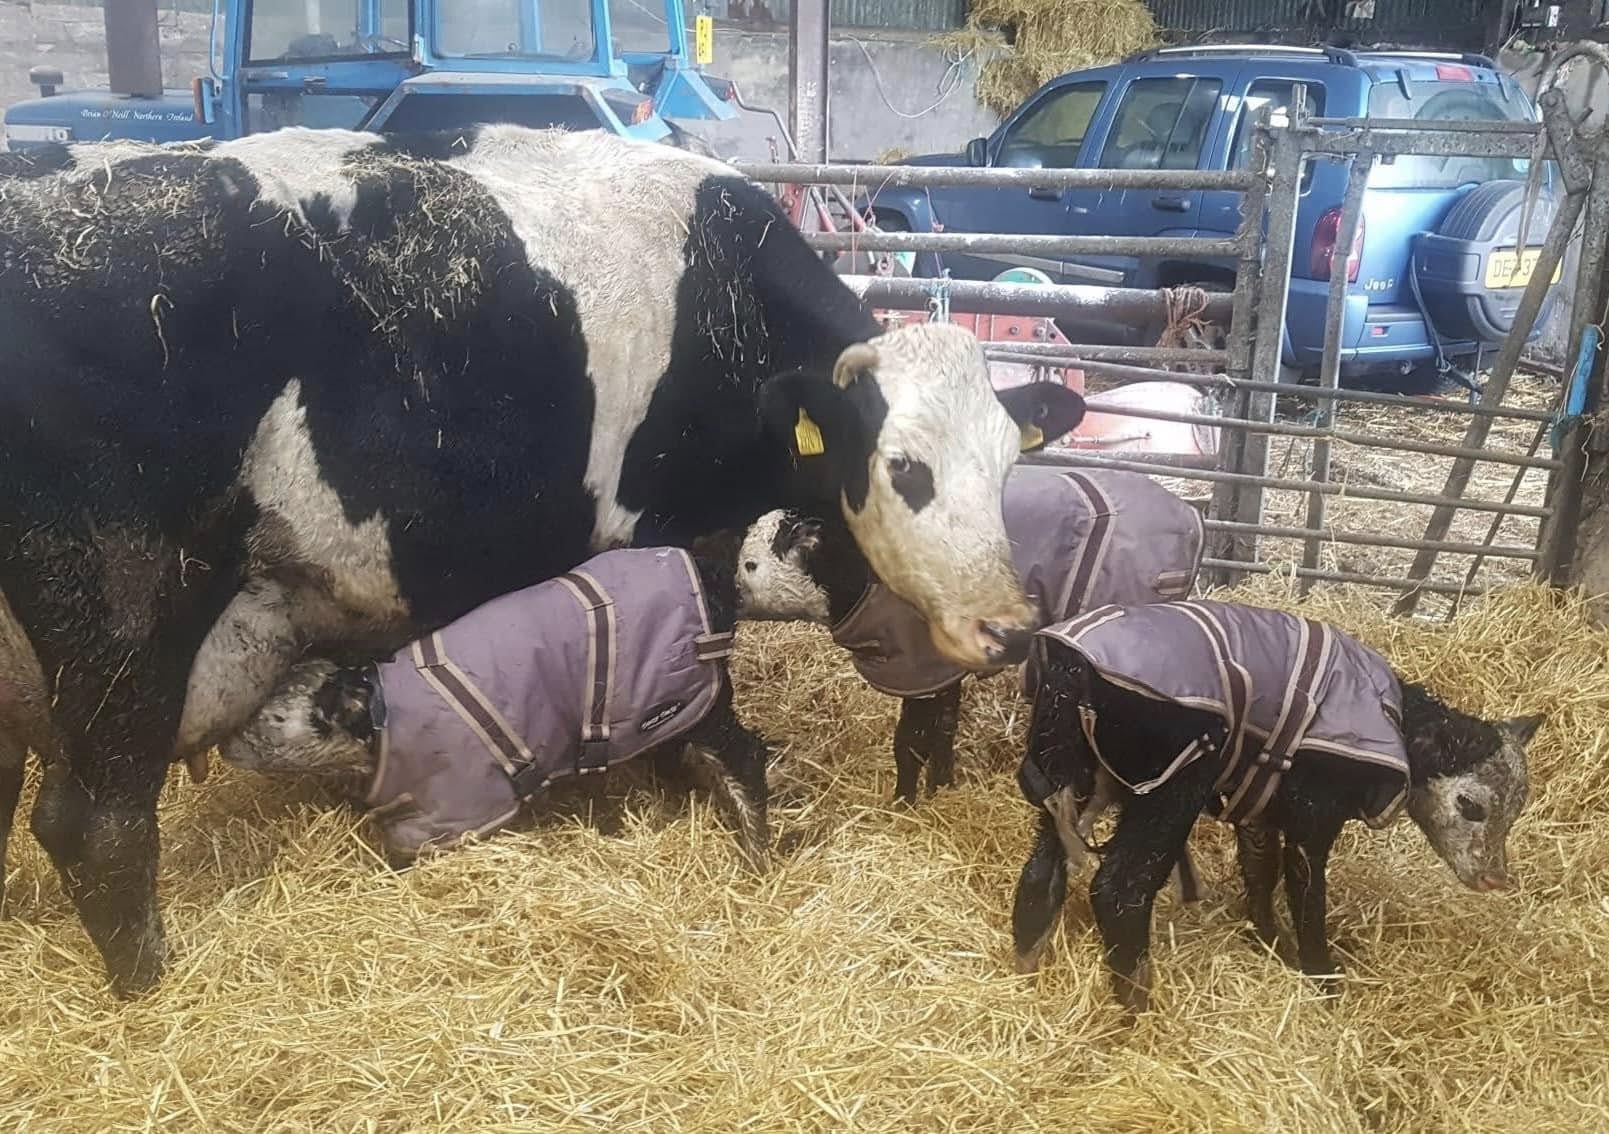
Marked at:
<point>1168,203</point>
<point>1079,210</point>
<point>1044,193</point>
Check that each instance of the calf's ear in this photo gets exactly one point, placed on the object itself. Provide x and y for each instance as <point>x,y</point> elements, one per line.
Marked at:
<point>1044,411</point>
<point>1522,729</point>
<point>823,431</point>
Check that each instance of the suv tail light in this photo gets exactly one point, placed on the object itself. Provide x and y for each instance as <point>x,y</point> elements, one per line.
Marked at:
<point>1325,234</point>
<point>1450,73</point>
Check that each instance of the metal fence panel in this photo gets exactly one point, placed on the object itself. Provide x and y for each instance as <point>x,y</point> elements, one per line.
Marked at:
<point>1331,485</point>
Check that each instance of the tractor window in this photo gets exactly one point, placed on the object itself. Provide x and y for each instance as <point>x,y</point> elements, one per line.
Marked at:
<point>1162,124</point>
<point>288,31</point>
<point>515,29</point>
<point>1051,134</point>
<point>639,26</point>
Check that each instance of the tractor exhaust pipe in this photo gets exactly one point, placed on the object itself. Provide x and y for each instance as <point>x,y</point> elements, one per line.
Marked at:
<point>133,50</point>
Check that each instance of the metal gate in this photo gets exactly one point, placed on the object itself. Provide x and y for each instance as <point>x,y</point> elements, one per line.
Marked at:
<point>1428,499</point>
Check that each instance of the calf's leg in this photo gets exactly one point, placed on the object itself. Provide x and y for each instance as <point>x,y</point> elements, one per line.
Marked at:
<point>1041,890</point>
<point>925,736</point>
<point>1306,858</point>
<point>1257,849</point>
<point>1151,835</point>
<point>737,760</point>
<point>97,820</point>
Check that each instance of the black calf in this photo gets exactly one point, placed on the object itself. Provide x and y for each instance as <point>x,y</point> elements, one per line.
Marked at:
<point>1466,784</point>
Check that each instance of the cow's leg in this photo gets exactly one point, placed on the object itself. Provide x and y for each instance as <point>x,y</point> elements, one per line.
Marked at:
<point>13,761</point>
<point>925,736</point>
<point>1041,891</point>
<point>97,820</point>
<point>244,656</point>
<point>1151,835</point>
<point>1306,857</point>
<point>736,759</point>
<point>1257,849</point>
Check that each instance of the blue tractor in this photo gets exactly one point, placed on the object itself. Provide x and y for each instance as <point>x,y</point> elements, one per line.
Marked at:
<point>391,65</point>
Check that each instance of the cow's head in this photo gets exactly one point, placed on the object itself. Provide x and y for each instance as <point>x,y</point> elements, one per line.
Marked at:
<point>911,440</point>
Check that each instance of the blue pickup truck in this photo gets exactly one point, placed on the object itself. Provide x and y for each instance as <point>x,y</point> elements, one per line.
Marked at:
<point>1439,241</point>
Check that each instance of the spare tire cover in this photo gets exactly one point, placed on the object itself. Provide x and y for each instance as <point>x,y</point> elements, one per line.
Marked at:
<point>1475,245</point>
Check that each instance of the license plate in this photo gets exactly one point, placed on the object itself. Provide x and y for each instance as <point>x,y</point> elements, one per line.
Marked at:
<point>1507,268</point>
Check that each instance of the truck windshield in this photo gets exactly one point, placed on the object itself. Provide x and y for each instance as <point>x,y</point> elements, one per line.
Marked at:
<point>1446,102</point>
<point>283,31</point>
<point>515,29</point>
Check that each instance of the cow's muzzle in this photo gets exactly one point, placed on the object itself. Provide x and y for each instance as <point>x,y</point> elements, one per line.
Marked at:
<point>987,643</point>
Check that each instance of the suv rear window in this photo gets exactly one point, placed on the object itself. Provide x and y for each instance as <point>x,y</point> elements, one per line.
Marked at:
<point>1446,102</point>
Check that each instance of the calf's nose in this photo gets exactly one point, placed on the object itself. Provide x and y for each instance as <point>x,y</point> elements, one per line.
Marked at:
<point>1004,643</point>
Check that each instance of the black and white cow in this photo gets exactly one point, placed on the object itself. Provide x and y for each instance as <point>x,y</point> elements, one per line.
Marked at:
<point>321,390</point>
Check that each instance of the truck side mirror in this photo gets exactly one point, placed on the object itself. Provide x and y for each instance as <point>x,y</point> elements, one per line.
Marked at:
<point>978,151</point>
<point>47,79</point>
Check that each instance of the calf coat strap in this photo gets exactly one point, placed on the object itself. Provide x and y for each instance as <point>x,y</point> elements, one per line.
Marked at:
<point>599,610</point>
<point>454,686</point>
<point>1081,580</point>
<point>1297,709</point>
<point>1236,684</point>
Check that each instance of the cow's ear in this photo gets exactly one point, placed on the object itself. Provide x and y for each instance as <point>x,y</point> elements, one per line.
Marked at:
<point>1043,411</point>
<point>812,417</point>
<point>823,429</point>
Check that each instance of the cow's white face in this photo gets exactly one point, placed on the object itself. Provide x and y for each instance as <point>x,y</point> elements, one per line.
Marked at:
<point>923,447</point>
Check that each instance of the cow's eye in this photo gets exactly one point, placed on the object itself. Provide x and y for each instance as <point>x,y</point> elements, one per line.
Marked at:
<point>1470,810</point>
<point>898,465</point>
<point>750,566</point>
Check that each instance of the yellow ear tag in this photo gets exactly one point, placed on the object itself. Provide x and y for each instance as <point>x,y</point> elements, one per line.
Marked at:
<point>1032,438</point>
<point>807,437</point>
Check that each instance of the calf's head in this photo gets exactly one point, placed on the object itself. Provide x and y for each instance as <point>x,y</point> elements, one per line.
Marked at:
<point>1469,784</point>
<point>912,442</point>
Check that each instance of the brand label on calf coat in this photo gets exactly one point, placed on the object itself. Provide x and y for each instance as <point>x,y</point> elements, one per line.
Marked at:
<point>659,714</point>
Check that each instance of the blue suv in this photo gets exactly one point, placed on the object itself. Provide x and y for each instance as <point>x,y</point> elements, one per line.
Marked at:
<point>1435,273</point>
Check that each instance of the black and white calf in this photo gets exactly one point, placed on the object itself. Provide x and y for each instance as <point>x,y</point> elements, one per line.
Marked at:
<point>320,391</point>
<point>1078,539</point>
<point>623,656</point>
<point>1284,726</point>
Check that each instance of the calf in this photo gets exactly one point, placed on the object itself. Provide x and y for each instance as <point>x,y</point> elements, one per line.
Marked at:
<point>1285,727</point>
<point>570,677</point>
<point>1078,539</point>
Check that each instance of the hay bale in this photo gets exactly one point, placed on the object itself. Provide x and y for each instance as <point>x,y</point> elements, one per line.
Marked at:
<point>614,967</point>
<point>1033,41</point>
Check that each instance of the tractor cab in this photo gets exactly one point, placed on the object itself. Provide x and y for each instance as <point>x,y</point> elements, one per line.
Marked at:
<point>405,65</point>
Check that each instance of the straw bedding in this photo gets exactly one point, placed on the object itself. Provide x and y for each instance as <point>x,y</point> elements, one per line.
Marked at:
<point>614,967</point>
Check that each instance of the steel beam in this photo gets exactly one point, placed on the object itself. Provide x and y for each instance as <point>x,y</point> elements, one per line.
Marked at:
<point>133,49</point>
<point>807,78</point>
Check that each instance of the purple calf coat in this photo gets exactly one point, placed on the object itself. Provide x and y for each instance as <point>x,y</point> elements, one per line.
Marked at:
<point>564,678</point>
<point>1080,539</point>
<point>1281,684</point>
